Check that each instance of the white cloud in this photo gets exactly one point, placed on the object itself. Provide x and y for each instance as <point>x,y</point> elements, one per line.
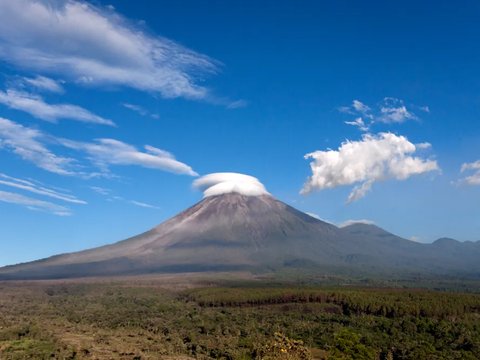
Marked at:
<point>29,144</point>
<point>143,204</point>
<point>473,179</point>
<point>359,221</point>
<point>44,83</point>
<point>37,107</point>
<point>423,146</point>
<point>224,183</point>
<point>358,122</point>
<point>374,158</point>
<point>140,110</point>
<point>345,110</point>
<point>389,111</point>
<point>105,152</point>
<point>360,191</point>
<point>361,107</point>
<point>315,216</point>
<point>237,104</point>
<point>96,46</point>
<point>100,190</point>
<point>394,111</point>
<point>34,204</point>
<point>38,189</point>
<point>108,193</point>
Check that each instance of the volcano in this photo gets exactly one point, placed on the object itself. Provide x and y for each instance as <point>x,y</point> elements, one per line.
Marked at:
<point>224,232</point>
<point>231,230</point>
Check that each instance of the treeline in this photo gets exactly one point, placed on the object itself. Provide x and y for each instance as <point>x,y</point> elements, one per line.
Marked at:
<point>390,303</point>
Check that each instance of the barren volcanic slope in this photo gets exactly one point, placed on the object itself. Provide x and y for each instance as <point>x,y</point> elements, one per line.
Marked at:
<point>239,232</point>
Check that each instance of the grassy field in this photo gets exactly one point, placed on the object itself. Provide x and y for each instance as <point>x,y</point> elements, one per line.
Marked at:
<point>183,317</point>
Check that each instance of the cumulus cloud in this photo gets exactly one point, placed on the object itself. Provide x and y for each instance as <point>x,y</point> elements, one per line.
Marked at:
<point>37,188</point>
<point>359,221</point>
<point>224,183</point>
<point>34,204</point>
<point>44,83</point>
<point>374,158</point>
<point>37,107</point>
<point>390,110</point>
<point>96,46</point>
<point>29,144</point>
<point>473,179</point>
<point>105,152</point>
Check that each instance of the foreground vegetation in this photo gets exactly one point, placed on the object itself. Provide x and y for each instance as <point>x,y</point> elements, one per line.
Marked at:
<point>140,319</point>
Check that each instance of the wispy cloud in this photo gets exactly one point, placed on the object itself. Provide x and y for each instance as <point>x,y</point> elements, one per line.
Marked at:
<point>34,204</point>
<point>110,197</point>
<point>97,46</point>
<point>389,111</point>
<point>140,110</point>
<point>237,104</point>
<point>394,111</point>
<point>361,108</point>
<point>473,179</point>
<point>364,162</point>
<point>32,187</point>
<point>143,204</point>
<point>101,190</point>
<point>105,152</point>
<point>44,83</point>
<point>37,107</point>
<point>358,122</point>
<point>29,144</point>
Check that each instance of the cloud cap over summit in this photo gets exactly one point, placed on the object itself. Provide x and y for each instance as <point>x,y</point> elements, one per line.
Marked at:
<point>229,182</point>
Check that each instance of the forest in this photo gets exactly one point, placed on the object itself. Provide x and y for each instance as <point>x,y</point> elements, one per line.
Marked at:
<point>151,318</point>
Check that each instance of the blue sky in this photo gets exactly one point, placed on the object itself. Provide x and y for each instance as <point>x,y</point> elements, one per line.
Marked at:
<point>110,110</point>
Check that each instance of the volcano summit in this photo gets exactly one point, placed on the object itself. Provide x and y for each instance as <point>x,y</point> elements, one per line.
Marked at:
<point>239,226</point>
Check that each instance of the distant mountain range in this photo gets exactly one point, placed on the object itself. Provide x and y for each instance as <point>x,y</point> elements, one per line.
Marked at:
<point>232,232</point>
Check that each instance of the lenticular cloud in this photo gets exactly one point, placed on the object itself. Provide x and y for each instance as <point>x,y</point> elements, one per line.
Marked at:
<point>374,158</point>
<point>224,183</point>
